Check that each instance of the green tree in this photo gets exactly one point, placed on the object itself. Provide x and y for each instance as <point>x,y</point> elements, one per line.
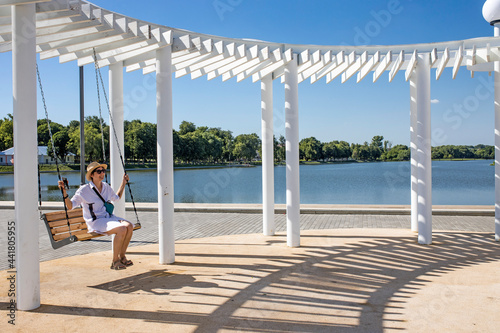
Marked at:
<point>227,139</point>
<point>43,131</point>
<point>186,127</point>
<point>246,146</point>
<point>213,146</point>
<point>486,152</point>
<point>6,132</point>
<point>280,148</point>
<point>330,151</point>
<point>192,147</point>
<point>61,140</point>
<point>310,149</point>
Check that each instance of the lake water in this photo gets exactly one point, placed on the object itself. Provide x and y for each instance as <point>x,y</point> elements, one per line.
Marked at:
<point>454,183</point>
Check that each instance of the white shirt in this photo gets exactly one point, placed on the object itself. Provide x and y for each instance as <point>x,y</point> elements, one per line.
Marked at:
<point>93,206</point>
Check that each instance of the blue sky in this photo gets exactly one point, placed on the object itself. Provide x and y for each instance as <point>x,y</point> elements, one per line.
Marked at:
<point>462,109</point>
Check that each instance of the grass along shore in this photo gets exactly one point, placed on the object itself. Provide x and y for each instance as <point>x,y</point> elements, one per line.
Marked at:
<point>142,166</point>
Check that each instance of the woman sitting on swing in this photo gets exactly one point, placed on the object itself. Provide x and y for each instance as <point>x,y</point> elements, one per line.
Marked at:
<point>94,197</point>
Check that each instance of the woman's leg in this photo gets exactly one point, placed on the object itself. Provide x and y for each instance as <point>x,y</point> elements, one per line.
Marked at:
<point>120,234</point>
<point>129,227</point>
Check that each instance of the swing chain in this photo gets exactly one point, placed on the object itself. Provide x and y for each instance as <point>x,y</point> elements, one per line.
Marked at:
<point>53,150</point>
<point>98,71</point>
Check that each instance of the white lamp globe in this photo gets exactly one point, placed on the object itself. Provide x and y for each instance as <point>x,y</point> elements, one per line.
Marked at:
<point>491,11</point>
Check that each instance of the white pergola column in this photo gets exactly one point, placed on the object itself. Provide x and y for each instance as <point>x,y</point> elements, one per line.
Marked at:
<point>413,150</point>
<point>25,154</point>
<point>266,88</point>
<point>165,158</point>
<point>497,142</point>
<point>116,143</point>
<point>424,162</point>
<point>292,153</point>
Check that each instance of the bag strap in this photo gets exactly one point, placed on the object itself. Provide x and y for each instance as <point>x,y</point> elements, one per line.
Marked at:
<point>99,194</point>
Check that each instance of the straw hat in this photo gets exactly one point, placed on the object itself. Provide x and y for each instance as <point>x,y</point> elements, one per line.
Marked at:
<point>91,167</point>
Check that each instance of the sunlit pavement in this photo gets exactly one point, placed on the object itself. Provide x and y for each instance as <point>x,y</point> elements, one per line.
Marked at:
<point>353,272</point>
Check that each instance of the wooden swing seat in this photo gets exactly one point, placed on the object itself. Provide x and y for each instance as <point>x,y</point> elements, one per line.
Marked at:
<point>57,227</point>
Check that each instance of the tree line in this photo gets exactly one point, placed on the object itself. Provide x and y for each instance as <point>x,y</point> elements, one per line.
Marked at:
<point>193,143</point>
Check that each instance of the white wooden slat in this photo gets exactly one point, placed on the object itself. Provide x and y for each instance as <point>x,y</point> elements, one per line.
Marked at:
<point>140,65</point>
<point>61,21</point>
<point>121,23</point>
<point>181,43</point>
<point>200,64</point>
<point>442,64</point>
<point>434,56</point>
<point>55,5</point>
<point>264,53</point>
<point>316,57</point>
<point>276,54</point>
<point>219,47</point>
<point>185,56</point>
<point>110,49</point>
<point>268,70</point>
<point>196,43</point>
<point>73,34</point>
<point>355,67</point>
<point>240,69</point>
<point>68,28</point>
<point>141,58</point>
<point>207,69</point>
<point>305,74</point>
<point>351,58</point>
<point>145,31</point>
<point>17,2</point>
<point>208,44</point>
<point>133,27</point>
<point>241,51</point>
<point>163,35</point>
<point>411,65</point>
<point>459,56</point>
<point>303,57</point>
<point>149,69</point>
<point>122,56</point>
<point>5,47</point>
<point>253,51</point>
<point>316,64</point>
<point>230,49</point>
<point>337,60</point>
<point>207,62</point>
<point>252,70</point>
<point>108,39</point>
<point>221,70</point>
<point>323,71</point>
<point>472,56</point>
<point>472,60</point>
<point>369,66</point>
<point>397,65</point>
<point>382,67</point>
<point>190,59</point>
<point>313,60</point>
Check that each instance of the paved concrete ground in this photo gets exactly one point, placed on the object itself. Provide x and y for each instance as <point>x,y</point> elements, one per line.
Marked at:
<point>197,225</point>
<point>352,273</point>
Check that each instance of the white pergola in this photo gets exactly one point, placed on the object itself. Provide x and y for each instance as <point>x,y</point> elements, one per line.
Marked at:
<point>73,29</point>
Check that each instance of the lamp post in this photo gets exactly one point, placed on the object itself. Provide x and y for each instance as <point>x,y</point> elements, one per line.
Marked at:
<point>491,13</point>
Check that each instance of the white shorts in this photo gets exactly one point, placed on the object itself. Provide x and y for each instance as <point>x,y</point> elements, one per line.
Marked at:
<point>105,224</point>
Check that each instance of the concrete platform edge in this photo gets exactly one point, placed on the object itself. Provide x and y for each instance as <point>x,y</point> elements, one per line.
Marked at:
<point>448,210</point>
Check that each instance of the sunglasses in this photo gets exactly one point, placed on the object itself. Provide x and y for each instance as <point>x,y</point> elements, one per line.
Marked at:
<point>99,171</point>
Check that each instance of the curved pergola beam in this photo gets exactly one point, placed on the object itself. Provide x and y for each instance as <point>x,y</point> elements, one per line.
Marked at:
<point>72,29</point>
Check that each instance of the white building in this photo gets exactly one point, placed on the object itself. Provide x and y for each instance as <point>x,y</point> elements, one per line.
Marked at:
<point>7,156</point>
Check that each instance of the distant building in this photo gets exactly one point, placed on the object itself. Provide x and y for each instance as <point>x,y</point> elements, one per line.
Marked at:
<point>7,156</point>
